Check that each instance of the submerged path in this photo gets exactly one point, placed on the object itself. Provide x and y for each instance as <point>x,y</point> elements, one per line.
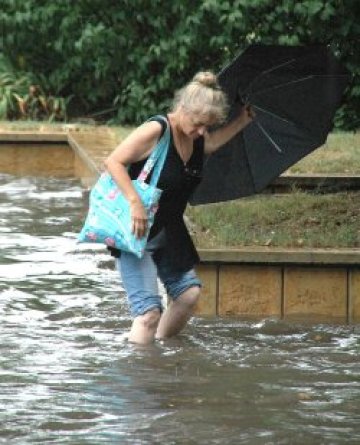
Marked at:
<point>93,146</point>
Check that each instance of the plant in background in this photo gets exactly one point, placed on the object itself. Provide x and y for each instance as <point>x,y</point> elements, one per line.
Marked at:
<point>36,105</point>
<point>126,61</point>
<point>12,90</point>
<point>22,98</point>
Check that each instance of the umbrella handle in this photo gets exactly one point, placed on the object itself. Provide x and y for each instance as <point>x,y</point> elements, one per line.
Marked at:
<point>250,111</point>
<point>244,100</point>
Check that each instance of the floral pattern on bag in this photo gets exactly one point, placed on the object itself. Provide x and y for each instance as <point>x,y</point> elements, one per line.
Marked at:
<point>109,220</point>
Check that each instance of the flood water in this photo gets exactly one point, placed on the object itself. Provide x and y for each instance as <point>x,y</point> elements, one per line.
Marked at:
<point>67,377</point>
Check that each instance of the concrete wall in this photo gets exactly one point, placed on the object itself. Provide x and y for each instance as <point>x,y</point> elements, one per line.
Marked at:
<point>297,292</point>
<point>33,158</point>
<point>83,172</point>
<point>45,155</point>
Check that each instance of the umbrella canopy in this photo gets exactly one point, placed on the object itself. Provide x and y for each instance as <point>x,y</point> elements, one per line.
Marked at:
<point>294,92</point>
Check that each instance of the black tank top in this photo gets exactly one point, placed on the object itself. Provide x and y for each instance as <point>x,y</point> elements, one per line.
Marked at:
<point>177,181</point>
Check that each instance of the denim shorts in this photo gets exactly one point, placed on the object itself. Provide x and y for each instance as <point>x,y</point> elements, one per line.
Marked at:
<point>140,281</point>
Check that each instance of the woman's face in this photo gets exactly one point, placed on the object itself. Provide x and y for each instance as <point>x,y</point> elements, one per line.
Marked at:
<point>195,124</point>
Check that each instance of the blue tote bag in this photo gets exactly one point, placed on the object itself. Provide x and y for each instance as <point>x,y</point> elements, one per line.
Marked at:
<point>109,220</point>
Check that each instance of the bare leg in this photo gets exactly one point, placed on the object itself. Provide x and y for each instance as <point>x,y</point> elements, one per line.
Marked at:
<point>177,314</point>
<point>144,327</point>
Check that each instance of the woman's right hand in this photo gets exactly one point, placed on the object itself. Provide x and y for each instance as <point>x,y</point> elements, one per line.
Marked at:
<point>138,218</point>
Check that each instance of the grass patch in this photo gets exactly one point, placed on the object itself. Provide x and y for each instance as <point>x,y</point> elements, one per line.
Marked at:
<point>340,154</point>
<point>295,220</point>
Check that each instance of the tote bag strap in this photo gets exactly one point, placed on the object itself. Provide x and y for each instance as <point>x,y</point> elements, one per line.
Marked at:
<point>157,157</point>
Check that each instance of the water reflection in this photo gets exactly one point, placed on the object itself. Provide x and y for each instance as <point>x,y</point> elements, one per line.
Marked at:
<point>67,377</point>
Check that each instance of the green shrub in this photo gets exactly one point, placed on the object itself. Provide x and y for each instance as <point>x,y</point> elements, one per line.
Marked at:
<point>22,98</point>
<point>125,59</point>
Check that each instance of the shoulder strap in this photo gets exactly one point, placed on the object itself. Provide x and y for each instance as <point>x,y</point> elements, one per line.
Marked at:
<point>162,121</point>
<point>157,157</point>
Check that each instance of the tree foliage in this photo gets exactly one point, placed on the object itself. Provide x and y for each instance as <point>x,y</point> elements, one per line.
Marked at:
<point>129,56</point>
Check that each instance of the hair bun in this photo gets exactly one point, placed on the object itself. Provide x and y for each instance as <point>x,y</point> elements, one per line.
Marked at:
<point>204,97</point>
<point>207,79</point>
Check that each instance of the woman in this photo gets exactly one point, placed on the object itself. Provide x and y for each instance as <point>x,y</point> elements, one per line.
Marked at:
<point>170,253</point>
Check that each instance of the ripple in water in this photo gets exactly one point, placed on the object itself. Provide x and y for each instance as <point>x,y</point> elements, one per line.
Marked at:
<point>66,377</point>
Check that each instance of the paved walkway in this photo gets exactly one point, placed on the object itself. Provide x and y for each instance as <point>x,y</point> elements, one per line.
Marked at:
<point>96,144</point>
<point>93,147</point>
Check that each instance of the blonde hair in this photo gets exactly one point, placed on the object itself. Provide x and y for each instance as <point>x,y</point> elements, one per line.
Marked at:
<point>203,95</point>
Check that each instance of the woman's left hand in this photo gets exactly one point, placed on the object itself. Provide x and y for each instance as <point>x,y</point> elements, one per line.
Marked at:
<point>247,114</point>
<point>219,137</point>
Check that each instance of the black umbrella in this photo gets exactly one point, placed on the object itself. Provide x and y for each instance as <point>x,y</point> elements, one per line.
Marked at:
<point>294,92</point>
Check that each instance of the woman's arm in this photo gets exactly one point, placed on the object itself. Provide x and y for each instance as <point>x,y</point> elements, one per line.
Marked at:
<point>219,137</point>
<point>136,147</point>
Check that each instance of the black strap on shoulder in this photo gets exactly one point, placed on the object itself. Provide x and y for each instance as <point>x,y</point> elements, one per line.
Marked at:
<point>161,121</point>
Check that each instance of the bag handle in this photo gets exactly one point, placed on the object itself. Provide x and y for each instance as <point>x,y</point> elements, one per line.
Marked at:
<point>158,155</point>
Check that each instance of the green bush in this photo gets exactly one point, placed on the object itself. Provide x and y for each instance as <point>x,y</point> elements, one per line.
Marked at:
<point>125,59</point>
<point>22,98</point>
<point>12,88</point>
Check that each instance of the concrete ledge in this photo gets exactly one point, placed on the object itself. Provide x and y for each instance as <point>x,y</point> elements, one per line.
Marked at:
<point>85,168</point>
<point>37,159</point>
<point>297,284</point>
<point>274,255</point>
<point>39,137</point>
<point>44,148</point>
